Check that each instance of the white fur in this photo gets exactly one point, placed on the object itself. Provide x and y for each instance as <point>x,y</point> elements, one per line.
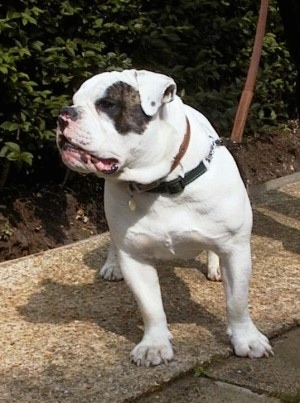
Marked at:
<point>212,213</point>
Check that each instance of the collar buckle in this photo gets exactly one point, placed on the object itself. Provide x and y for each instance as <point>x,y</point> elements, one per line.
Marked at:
<point>175,186</point>
<point>140,188</point>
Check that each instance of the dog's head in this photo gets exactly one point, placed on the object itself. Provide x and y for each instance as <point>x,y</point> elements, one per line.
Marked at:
<point>112,121</point>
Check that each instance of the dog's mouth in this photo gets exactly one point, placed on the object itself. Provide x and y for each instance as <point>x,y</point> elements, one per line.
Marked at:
<point>106,166</point>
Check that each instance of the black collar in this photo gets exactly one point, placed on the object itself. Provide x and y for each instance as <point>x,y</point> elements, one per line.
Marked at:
<point>178,184</point>
<point>172,187</point>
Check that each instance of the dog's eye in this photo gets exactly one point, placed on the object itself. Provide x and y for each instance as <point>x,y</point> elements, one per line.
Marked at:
<point>105,104</point>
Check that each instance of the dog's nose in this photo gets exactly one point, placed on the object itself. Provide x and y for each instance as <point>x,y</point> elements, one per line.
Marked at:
<point>67,113</point>
<point>62,123</point>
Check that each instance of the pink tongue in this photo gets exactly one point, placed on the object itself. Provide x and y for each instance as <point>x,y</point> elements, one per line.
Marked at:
<point>105,164</point>
<point>108,165</point>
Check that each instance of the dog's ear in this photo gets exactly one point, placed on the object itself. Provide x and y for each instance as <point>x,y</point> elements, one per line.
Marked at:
<point>155,90</point>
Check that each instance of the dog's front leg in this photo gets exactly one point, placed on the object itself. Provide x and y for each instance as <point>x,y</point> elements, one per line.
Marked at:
<point>213,266</point>
<point>246,339</point>
<point>111,270</point>
<point>155,346</point>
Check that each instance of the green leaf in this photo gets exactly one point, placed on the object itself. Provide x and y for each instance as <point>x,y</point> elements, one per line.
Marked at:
<point>10,126</point>
<point>26,157</point>
<point>3,69</point>
<point>13,146</point>
<point>3,151</point>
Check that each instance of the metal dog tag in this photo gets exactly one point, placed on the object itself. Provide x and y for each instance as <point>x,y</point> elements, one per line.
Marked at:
<point>132,204</point>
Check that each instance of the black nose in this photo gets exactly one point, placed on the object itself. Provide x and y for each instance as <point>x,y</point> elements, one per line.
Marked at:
<point>69,112</point>
<point>66,113</point>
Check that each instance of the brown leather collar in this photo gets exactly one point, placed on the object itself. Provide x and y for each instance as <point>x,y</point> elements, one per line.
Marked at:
<point>183,147</point>
<point>138,187</point>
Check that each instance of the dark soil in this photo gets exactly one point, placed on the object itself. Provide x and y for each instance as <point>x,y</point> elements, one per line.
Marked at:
<point>46,216</point>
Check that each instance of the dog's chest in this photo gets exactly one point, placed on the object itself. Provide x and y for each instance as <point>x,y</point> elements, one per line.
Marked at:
<point>166,245</point>
<point>160,227</point>
<point>168,236</point>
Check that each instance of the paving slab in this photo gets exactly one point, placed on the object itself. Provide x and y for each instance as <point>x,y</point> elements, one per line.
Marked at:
<point>66,334</point>
<point>279,376</point>
<point>201,390</point>
<point>237,380</point>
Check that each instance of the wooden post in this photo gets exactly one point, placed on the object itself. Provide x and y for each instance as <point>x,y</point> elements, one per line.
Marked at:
<point>248,91</point>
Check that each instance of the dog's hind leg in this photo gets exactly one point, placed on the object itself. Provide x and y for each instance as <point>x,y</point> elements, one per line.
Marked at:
<point>155,347</point>
<point>213,267</point>
<point>111,269</point>
<point>246,339</point>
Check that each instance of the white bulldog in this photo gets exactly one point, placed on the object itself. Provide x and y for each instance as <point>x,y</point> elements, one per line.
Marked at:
<point>171,191</point>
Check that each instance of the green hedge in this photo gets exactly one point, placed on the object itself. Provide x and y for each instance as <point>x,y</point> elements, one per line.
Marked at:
<point>48,48</point>
<point>206,46</point>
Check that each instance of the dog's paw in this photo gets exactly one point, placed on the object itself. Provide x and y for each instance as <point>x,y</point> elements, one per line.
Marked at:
<point>152,352</point>
<point>214,273</point>
<point>250,343</point>
<point>111,272</point>
<point>213,266</point>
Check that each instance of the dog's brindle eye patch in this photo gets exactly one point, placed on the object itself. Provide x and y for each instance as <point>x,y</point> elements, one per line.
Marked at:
<point>105,105</point>
<point>122,104</point>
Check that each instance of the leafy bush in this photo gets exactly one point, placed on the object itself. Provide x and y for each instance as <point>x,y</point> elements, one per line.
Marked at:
<point>48,48</point>
<point>206,45</point>
<point>46,51</point>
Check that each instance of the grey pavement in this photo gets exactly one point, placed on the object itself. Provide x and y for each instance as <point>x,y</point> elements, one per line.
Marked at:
<point>240,379</point>
<point>65,334</point>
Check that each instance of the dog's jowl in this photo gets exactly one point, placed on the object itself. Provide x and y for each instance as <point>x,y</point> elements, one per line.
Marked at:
<point>171,191</point>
